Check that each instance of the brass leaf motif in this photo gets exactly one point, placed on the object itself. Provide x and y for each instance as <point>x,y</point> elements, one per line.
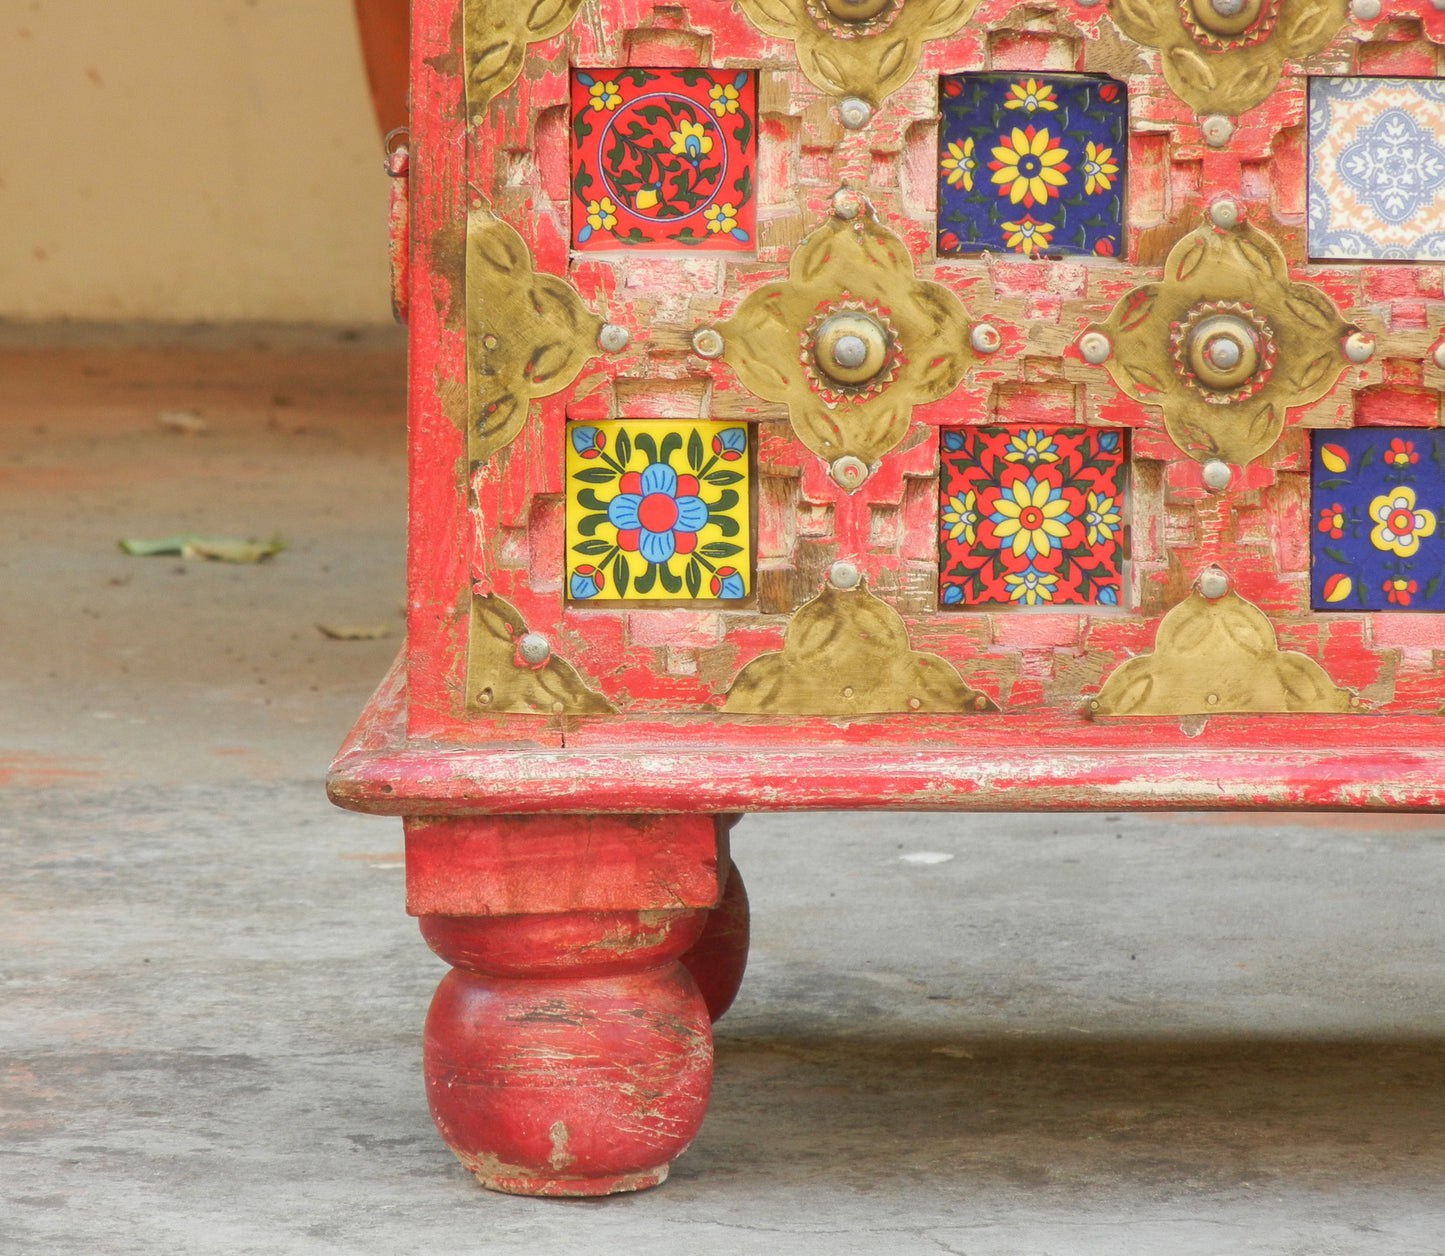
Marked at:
<point>1304,307</point>
<point>1189,261</point>
<point>1263,427</point>
<point>891,59</point>
<point>1208,267</point>
<point>1136,15</point>
<point>546,12</point>
<point>528,335</point>
<point>1321,368</point>
<point>867,60</point>
<point>495,35</point>
<point>1255,82</point>
<point>826,71</point>
<point>1311,29</point>
<point>1228,79</point>
<point>1189,64</point>
<point>1144,381</point>
<point>948,16</point>
<point>847,652</point>
<point>498,682</point>
<point>849,259</point>
<point>1268,264</point>
<point>1218,657</point>
<point>1139,310</point>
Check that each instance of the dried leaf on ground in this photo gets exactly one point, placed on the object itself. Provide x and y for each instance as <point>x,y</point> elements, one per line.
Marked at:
<point>221,549</point>
<point>354,632</point>
<point>187,421</point>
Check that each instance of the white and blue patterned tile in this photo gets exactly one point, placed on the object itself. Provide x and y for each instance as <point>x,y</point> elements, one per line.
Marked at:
<point>1377,169</point>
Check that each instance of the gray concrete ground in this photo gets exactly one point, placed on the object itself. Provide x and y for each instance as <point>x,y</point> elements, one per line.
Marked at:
<point>994,1036</point>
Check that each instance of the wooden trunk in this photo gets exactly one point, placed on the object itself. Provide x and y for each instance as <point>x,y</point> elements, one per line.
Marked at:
<point>883,404</point>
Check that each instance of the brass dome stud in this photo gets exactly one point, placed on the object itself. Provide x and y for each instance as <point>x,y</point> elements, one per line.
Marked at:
<point>856,10</point>
<point>1223,352</point>
<point>850,347</point>
<point>1226,17</point>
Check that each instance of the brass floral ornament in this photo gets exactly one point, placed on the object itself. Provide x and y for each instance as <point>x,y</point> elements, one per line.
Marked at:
<point>528,334</point>
<point>495,35</point>
<point>850,342</point>
<point>847,652</point>
<point>1218,656</point>
<point>1225,344</point>
<point>865,49</point>
<point>1225,56</point>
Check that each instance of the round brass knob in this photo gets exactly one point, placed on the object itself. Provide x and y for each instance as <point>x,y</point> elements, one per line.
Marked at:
<point>1223,352</point>
<point>1226,17</point>
<point>856,10</point>
<point>851,347</point>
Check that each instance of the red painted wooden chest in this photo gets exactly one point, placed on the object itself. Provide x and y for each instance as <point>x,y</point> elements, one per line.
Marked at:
<point>912,404</point>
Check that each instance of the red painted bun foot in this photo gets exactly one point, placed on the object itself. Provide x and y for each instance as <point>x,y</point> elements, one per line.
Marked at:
<point>580,1064</point>
<point>717,959</point>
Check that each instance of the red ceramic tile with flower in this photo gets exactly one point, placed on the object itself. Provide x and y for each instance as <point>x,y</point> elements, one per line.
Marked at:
<point>1031,516</point>
<point>663,159</point>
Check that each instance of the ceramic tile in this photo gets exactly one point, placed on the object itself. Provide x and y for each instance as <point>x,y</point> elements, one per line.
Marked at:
<point>1032,164</point>
<point>1031,516</point>
<point>659,510</point>
<point>1377,168</point>
<point>663,159</point>
<point>1376,497</point>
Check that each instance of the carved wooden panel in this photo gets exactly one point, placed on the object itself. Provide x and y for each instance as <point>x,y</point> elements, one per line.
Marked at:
<point>825,312</point>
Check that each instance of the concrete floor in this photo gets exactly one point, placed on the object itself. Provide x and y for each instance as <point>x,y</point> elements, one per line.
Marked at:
<point>1053,1036</point>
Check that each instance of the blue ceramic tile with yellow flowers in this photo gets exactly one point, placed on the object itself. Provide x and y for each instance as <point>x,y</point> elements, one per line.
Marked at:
<point>663,159</point>
<point>1031,164</point>
<point>1377,495</point>
<point>659,510</point>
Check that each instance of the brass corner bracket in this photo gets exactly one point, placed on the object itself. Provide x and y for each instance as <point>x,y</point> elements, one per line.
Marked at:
<point>513,672</point>
<point>845,653</point>
<point>1219,657</point>
<point>495,35</point>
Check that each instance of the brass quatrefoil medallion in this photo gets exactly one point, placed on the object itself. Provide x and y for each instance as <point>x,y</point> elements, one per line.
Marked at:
<point>861,48</point>
<point>850,343</point>
<point>1224,56</point>
<point>1225,344</point>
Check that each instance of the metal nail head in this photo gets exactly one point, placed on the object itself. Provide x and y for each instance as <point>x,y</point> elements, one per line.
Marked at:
<point>854,113</point>
<point>1095,348</point>
<point>612,338</point>
<point>707,342</point>
<point>984,338</point>
<point>1217,475</point>
<point>1213,583</point>
<point>534,649</point>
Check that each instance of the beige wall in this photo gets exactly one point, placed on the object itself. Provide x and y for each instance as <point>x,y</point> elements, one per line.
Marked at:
<point>188,160</point>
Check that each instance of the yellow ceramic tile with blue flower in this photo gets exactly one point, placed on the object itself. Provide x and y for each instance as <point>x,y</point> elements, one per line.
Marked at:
<point>659,511</point>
